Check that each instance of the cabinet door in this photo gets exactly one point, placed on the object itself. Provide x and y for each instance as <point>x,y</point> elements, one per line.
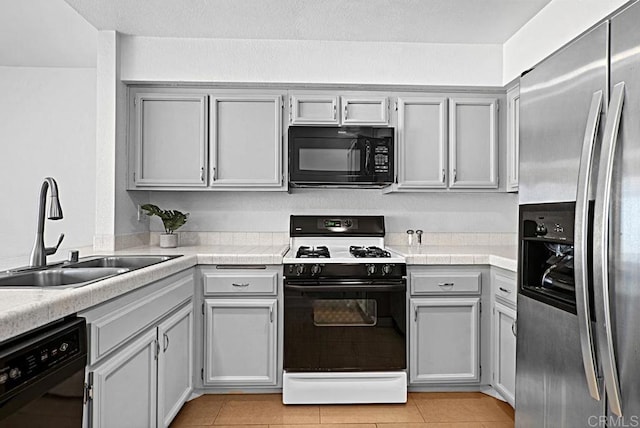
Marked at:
<point>170,140</point>
<point>473,142</point>
<point>175,364</point>
<point>313,110</point>
<point>444,346</point>
<point>422,142</point>
<point>124,387</point>
<point>247,141</point>
<point>365,110</point>
<point>504,352</point>
<point>240,342</point>
<point>513,138</point>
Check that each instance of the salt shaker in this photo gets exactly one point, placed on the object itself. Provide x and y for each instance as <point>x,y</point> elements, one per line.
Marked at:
<point>410,233</point>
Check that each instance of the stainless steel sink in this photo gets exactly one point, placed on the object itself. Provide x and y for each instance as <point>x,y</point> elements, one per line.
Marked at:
<point>80,273</point>
<point>59,277</point>
<point>129,262</point>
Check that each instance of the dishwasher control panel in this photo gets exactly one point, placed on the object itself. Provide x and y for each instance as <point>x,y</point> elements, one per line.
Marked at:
<point>32,357</point>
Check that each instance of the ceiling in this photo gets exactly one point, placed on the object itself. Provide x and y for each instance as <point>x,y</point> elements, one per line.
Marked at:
<point>415,21</point>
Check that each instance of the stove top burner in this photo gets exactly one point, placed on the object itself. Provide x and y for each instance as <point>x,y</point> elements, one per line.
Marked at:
<point>368,252</point>
<point>313,252</point>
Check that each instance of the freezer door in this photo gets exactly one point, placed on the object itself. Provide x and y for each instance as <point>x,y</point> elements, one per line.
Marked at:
<point>624,225</point>
<point>554,107</point>
<point>551,389</point>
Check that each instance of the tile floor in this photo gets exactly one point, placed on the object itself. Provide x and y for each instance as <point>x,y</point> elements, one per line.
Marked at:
<point>423,410</point>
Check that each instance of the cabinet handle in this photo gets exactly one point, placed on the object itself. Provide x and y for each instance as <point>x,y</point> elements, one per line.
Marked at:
<point>271,315</point>
<point>335,111</point>
<point>446,284</point>
<point>514,328</point>
<point>415,314</point>
<point>443,175</point>
<point>201,173</point>
<point>504,290</point>
<point>166,342</point>
<point>455,175</point>
<point>213,173</point>
<point>241,285</point>
<point>345,111</point>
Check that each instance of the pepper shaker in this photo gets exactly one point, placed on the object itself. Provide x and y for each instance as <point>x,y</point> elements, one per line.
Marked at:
<point>419,233</point>
<point>410,233</point>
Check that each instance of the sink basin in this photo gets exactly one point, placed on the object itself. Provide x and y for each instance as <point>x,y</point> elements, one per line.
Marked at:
<point>129,262</point>
<point>59,277</point>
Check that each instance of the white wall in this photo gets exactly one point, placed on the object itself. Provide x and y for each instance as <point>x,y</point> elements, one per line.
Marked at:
<point>45,33</point>
<point>173,59</point>
<point>555,25</point>
<point>269,211</point>
<point>47,129</point>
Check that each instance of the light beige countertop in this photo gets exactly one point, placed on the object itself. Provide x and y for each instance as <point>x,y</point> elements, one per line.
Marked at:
<point>23,309</point>
<point>505,257</point>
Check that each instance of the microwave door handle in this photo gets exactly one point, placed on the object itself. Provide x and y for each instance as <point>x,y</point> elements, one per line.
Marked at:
<point>580,245</point>
<point>367,157</point>
<point>604,326</point>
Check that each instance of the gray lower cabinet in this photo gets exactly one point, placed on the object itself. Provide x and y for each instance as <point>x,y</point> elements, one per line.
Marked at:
<point>240,342</point>
<point>504,353</point>
<point>444,340</point>
<point>140,358</point>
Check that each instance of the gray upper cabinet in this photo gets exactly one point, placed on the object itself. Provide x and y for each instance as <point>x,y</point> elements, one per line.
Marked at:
<point>513,138</point>
<point>170,140</point>
<point>246,141</point>
<point>313,110</point>
<point>473,142</point>
<point>422,142</point>
<point>365,110</point>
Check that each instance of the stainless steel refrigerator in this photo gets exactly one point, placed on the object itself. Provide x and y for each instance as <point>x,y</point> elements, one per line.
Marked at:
<point>579,365</point>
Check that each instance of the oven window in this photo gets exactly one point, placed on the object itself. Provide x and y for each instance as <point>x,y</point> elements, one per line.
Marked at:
<point>344,312</point>
<point>323,159</point>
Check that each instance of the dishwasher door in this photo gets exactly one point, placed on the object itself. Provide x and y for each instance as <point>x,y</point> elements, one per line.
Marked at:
<point>42,376</point>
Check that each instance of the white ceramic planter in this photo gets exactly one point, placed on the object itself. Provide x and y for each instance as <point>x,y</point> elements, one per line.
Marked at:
<point>168,240</point>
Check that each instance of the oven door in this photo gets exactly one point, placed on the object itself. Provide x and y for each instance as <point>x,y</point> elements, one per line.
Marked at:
<point>344,325</point>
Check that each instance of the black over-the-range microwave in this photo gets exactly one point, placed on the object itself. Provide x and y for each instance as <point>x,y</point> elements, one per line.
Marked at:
<point>354,156</point>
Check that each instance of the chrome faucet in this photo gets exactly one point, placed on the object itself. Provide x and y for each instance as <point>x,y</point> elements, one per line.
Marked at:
<point>40,252</point>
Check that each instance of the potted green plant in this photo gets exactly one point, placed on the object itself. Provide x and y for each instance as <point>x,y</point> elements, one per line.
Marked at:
<point>172,221</point>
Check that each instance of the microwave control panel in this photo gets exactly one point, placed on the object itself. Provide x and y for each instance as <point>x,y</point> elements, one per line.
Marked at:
<point>381,159</point>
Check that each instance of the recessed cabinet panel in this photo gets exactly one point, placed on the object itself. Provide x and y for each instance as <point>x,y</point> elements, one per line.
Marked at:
<point>240,342</point>
<point>473,134</point>
<point>444,344</point>
<point>314,110</point>
<point>422,142</point>
<point>365,111</point>
<point>247,141</point>
<point>170,140</point>
<point>504,370</point>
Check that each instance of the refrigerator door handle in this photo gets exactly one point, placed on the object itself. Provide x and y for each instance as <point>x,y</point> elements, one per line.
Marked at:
<point>580,245</point>
<point>604,325</point>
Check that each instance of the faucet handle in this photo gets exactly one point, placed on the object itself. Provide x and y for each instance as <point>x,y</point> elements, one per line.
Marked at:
<point>52,250</point>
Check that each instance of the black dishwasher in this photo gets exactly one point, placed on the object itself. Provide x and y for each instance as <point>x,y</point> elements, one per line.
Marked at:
<point>42,376</point>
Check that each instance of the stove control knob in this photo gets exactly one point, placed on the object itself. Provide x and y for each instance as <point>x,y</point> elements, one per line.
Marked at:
<point>315,269</point>
<point>299,269</point>
<point>371,269</point>
<point>387,269</point>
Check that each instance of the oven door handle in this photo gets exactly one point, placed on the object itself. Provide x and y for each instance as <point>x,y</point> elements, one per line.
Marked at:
<point>346,286</point>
